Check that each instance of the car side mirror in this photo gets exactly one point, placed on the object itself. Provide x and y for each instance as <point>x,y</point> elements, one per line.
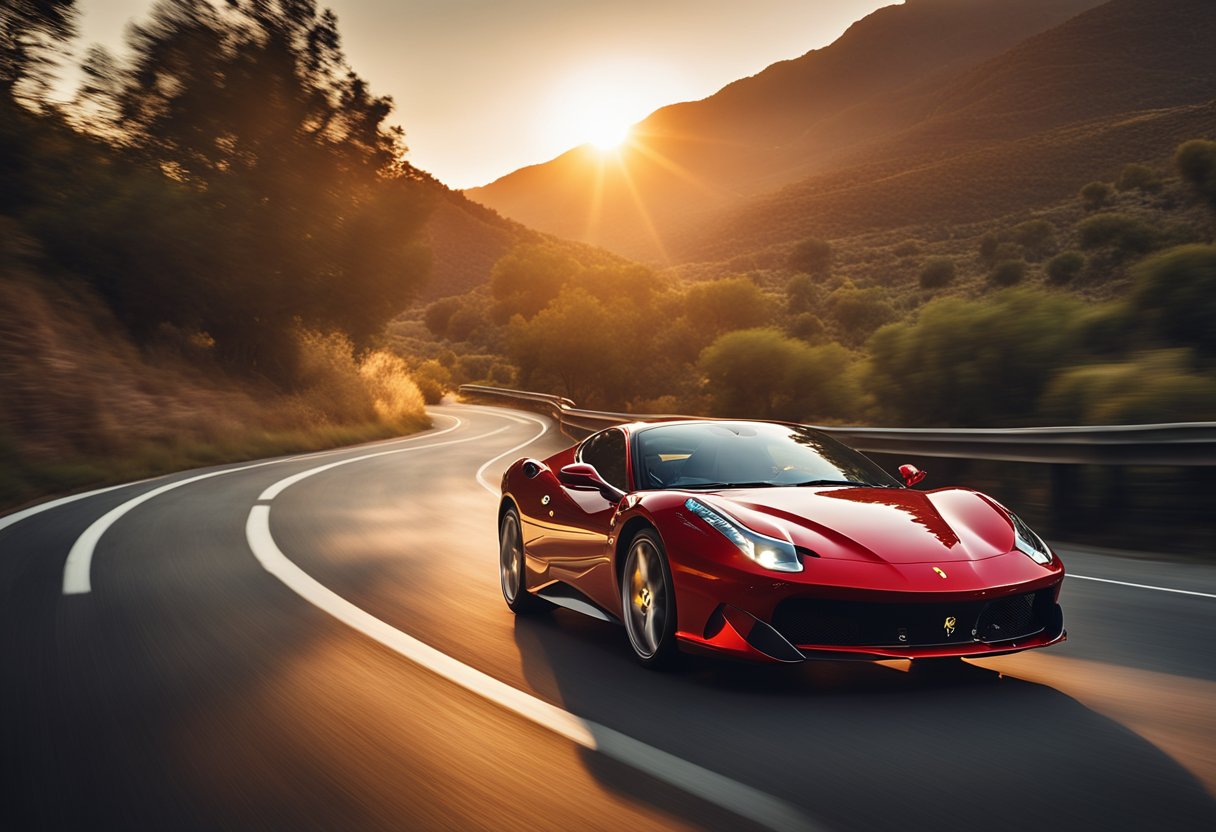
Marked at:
<point>582,475</point>
<point>911,474</point>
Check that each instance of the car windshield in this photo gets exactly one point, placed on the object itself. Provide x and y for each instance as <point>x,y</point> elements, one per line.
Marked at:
<point>751,455</point>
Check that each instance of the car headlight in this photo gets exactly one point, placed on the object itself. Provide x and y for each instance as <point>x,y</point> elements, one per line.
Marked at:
<point>769,552</point>
<point>1028,542</point>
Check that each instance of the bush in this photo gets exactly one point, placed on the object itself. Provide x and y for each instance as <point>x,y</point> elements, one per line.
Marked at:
<point>1160,386</point>
<point>801,294</point>
<point>433,380</point>
<point>937,272</point>
<point>1138,178</point>
<point>719,306</point>
<point>973,362</point>
<point>1196,162</point>
<point>760,373</point>
<point>1095,195</point>
<point>1176,292</point>
<point>438,314</point>
<point>1036,237</point>
<point>464,323</point>
<point>907,248</point>
<point>1008,272</point>
<point>812,256</point>
<point>807,326</point>
<point>1065,266</point>
<point>1121,233</point>
<point>859,311</point>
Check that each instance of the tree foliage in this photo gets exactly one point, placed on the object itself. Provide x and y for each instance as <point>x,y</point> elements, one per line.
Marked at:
<point>972,362</point>
<point>1065,266</point>
<point>1095,195</point>
<point>31,31</point>
<point>1175,292</point>
<point>1121,234</point>
<point>760,373</point>
<point>1156,386</point>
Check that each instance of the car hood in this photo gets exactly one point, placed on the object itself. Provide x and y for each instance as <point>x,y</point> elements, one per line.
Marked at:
<point>891,525</point>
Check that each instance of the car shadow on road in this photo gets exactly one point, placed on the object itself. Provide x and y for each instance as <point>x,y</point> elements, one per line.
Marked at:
<point>869,746</point>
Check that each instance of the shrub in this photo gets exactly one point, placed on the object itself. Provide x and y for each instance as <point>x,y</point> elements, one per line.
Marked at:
<point>808,326</point>
<point>464,323</point>
<point>1196,162</point>
<point>395,397</point>
<point>937,272</point>
<point>763,374</point>
<point>1160,386</point>
<point>433,380</point>
<point>1138,178</point>
<point>907,248</point>
<point>801,294</point>
<point>972,362</point>
<point>1036,237</point>
<point>812,256</point>
<point>859,311</point>
<point>1176,291</point>
<point>1121,233</point>
<point>438,314</point>
<point>1065,266</point>
<point>1008,272</point>
<point>1095,195</point>
<point>718,306</point>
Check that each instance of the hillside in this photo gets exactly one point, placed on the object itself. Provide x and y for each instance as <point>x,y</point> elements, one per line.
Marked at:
<point>794,118</point>
<point>1123,82</point>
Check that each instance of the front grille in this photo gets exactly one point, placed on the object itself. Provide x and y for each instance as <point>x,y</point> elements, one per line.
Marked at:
<point>865,624</point>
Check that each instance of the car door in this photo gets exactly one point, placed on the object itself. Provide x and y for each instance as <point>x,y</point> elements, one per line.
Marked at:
<point>581,556</point>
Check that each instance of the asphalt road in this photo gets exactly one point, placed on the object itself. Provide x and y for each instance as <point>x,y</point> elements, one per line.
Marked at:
<point>245,658</point>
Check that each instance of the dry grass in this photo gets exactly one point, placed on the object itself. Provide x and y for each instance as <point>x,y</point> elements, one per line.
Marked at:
<point>82,406</point>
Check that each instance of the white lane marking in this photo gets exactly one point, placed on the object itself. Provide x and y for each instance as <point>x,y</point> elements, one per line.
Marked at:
<point>714,788</point>
<point>77,571</point>
<point>1143,586</point>
<point>18,516</point>
<point>276,489</point>
<point>545,425</point>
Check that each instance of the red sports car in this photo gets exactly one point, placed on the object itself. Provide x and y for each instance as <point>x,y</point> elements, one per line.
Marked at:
<point>770,542</point>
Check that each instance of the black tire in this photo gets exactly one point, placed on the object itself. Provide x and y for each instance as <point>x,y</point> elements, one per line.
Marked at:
<point>511,567</point>
<point>648,601</point>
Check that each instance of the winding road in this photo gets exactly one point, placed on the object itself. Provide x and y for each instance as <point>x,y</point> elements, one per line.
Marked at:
<point>319,642</point>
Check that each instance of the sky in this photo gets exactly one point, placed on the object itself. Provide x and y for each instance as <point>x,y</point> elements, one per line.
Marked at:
<point>484,87</point>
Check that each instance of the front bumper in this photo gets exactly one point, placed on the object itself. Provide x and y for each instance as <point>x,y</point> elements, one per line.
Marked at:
<point>866,611</point>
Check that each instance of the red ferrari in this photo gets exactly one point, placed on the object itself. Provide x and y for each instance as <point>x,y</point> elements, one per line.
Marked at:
<point>770,542</point>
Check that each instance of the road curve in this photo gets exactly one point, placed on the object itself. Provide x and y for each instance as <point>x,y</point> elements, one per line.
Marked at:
<point>190,682</point>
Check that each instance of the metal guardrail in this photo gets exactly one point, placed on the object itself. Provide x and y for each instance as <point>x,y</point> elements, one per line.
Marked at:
<point>1178,444</point>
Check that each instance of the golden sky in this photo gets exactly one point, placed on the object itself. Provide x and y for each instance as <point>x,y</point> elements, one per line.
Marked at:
<point>487,86</point>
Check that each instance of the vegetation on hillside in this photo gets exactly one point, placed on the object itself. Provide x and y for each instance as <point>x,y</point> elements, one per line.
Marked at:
<point>199,255</point>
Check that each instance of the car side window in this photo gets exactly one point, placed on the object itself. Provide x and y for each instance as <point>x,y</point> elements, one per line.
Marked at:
<point>606,451</point>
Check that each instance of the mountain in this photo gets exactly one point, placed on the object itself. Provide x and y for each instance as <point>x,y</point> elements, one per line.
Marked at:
<point>1126,81</point>
<point>793,119</point>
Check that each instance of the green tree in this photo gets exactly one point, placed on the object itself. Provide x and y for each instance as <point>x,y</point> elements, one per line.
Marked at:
<point>718,306</point>
<point>937,272</point>
<point>812,256</point>
<point>802,294</point>
<point>1095,195</point>
<point>972,362</point>
<point>527,278</point>
<point>1196,161</point>
<point>760,373</point>
<point>439,313</point>
<point>1175,292</point>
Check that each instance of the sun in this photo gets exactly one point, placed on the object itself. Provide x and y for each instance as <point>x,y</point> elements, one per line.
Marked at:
<point>608,135</point>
